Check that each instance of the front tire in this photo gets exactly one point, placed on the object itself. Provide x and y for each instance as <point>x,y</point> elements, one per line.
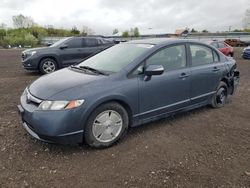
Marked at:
<point>220,97</point>
<point>106,125</point>
<point>47,66</point>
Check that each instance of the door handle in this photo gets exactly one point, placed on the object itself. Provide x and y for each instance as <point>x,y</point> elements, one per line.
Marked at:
<point>184,75</point>
<point>216,69</point>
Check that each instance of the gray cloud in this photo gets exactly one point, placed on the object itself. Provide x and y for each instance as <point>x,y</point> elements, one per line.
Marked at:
<point>105,15</point>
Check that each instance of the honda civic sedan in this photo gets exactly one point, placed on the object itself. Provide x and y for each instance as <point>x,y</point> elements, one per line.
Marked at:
<point>124,86</point>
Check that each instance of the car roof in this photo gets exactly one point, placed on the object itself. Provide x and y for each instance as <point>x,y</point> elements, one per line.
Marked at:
<point>210,41</point>
<point>159,41</point>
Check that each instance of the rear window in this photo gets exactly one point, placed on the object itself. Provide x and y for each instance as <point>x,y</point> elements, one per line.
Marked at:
<point>201,55</point>
<point>88,42</point>
<point>222,45</point>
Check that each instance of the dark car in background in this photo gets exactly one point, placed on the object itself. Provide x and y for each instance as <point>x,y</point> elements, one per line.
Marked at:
<point>236,42</point>
<point>225,48</point>
<point>124,86</point>
<point>65,52</point>
<point>246,53</point>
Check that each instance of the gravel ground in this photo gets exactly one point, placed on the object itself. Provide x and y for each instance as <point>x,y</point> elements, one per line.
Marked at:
<point>202,148</point>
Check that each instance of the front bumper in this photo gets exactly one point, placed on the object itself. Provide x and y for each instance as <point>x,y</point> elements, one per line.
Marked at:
<point>63,126</point>
<point>30,63</point>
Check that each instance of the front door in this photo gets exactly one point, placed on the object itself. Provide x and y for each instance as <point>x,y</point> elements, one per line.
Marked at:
<point>169,91</point>
<point>73,53</point>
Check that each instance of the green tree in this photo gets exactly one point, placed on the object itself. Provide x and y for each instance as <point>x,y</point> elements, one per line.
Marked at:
<point>2,35</point>
<point>136,32</point>
<point>194,31</point>
<point>75,31</point>
<point>204,31</point>
<point>125,34</point>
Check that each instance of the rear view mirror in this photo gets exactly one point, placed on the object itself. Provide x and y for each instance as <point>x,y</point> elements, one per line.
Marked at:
<point>154,70</point>
<point>63,46</point>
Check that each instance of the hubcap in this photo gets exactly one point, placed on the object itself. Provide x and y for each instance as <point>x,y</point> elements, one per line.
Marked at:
<point>49,67</point>
<point>107,126</point>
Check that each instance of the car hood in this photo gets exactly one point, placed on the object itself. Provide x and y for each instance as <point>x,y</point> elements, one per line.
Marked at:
<point>49,85</point>
<point>35,49</point>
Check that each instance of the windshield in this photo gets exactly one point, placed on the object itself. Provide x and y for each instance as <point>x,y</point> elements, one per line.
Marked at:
<point>116,58</point>
<point>57,43</point>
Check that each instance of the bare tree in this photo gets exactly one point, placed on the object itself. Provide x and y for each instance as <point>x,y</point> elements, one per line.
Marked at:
<point>87,31</point>
<point>3,26</point>
<point>115,31</point>
<point>246,20</point>
<point>21,21</point>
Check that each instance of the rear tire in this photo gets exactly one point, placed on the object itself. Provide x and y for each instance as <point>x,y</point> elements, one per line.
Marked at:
<point>47,66</point>
<point>220,97</point>
<point>106,125</point>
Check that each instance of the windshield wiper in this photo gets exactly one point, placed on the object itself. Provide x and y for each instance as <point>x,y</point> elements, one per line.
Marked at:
<point>93,70</point>
<point>75,67</point>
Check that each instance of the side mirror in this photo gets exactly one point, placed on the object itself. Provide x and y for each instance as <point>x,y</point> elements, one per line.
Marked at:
<point>63,46</point>
<point>154,70</point>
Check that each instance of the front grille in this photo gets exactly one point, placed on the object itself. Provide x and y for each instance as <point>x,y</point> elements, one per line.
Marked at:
<point>31,99</point>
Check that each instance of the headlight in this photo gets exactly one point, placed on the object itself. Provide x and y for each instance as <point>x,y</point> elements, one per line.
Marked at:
<point>29,54</point>
<point>60,105</point>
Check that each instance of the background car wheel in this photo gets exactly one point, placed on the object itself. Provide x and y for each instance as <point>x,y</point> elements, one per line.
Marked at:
<point>106,125</point>
<point>220,97</point>
<point>47,66</point>
<point>230,54</point>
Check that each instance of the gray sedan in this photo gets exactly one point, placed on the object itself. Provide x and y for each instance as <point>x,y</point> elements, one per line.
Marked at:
<point>124,86</point>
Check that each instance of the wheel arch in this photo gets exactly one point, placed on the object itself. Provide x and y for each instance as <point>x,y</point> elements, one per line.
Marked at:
<point>118,99</point>
<point>226,81</point>
<point>51,57</point>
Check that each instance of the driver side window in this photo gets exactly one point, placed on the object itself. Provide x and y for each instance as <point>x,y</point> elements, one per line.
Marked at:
<point>74,43</point>
<point>171,58</point>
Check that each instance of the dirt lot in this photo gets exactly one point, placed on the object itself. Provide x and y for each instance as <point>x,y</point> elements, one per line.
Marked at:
<point>202,148</point>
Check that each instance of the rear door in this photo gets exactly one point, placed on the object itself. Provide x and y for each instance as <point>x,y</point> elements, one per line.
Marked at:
<point>206,72</point>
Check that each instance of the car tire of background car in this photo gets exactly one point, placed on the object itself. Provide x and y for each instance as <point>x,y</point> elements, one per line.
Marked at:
<point>106,125</point>
<point>220,97</point>
<point>47,66</point>
<point>230,54</point>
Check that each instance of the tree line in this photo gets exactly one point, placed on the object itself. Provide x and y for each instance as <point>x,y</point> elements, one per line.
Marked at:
<point>27,33</point>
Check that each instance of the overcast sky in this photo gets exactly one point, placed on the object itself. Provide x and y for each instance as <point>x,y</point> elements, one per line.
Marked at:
<point>103,16</point>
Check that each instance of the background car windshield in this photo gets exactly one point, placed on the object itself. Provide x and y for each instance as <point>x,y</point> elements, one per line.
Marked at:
<point>59,42</point>
<point>116,58</point>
